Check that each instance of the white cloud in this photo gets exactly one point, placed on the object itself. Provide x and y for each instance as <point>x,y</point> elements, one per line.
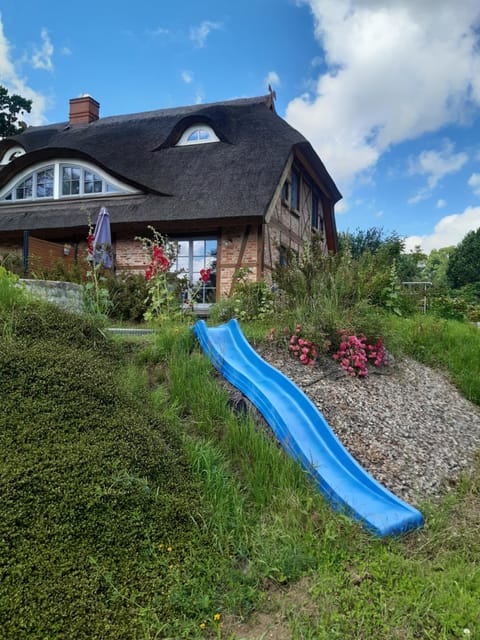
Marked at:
<point>341,207</point>
<point>187,77</point>
<point>395,70</point>
<point>66,51</point>
<point>474,182</point>
<point>15,84</point>
<point>448,231</point>
<point>272,78</point>
<point>200,34</point>
<point>42,58</point>
<point>437,164</point>
<point>158,31</point>
<point>441,203</point>
<point>423,194</point>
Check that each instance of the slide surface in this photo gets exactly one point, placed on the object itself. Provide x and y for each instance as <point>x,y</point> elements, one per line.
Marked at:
<point>304,433</point>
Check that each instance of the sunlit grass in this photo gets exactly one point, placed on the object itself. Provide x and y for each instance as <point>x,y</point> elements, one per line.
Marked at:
<point>137,504</point>
<point>449,345</point>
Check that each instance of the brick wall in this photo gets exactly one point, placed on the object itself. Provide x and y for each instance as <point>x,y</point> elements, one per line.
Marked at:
<point>129,255</point>
<point>238,247</point>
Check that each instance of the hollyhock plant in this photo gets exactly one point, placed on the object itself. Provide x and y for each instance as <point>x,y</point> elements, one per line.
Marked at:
<point>162,301</point>
<point>95,294</point>
<point>205,275</point>
<point>191,294</point>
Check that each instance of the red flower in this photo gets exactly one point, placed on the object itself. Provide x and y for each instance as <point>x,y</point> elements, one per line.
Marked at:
<point>90,239</point>
<point>205,275</point>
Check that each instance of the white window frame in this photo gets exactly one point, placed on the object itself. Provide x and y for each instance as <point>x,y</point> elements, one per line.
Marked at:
<point>121,188</point>
<point>200,126</point>
<point>12,153</point>
<point>190,270</point>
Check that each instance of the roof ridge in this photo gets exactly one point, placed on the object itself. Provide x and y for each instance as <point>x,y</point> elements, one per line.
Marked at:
<point>186,109</point>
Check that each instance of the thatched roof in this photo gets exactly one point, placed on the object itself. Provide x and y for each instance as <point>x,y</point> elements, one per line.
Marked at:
<point>235,177</point>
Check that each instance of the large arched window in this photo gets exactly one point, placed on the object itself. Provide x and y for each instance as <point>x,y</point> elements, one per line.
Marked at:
<point>62,180</point>
<point>198,134</point>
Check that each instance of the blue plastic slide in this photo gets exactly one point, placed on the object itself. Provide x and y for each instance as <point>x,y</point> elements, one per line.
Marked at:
<point>304,433</point>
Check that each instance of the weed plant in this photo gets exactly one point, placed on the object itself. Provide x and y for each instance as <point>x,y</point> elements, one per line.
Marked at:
<point>329,293</point>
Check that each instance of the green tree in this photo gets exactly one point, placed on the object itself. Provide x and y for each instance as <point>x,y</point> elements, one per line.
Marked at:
<point>11,108</point>
<point>464,263</point>
<point>436,267</point>
<point>371,240</point>
<point>410,266</point>
<point>388,250</point>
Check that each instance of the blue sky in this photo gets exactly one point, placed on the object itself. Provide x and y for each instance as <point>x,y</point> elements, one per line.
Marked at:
<point>388,92</point>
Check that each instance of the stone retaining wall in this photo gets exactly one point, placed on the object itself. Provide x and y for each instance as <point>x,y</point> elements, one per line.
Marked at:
<point>64,294</point>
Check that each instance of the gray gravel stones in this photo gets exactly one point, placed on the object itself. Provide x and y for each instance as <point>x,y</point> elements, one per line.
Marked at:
<point>410,429</point>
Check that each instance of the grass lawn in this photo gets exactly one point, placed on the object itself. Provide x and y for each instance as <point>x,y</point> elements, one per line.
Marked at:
<point>136,504</point>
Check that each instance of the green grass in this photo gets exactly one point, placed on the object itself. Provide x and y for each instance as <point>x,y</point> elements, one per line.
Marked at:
<point>137,504</point>
<point>449,345</point>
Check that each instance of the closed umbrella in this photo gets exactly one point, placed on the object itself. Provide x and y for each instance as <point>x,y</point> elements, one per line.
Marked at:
<point>102,239</point>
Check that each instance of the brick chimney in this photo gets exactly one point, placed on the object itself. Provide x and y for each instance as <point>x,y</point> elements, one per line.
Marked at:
<point>83,110</point>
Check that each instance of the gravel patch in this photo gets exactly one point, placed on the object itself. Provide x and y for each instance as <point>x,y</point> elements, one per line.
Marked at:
<point>409,428</point>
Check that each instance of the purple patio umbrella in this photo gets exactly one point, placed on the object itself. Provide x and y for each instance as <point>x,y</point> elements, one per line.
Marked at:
<point>102,239</point>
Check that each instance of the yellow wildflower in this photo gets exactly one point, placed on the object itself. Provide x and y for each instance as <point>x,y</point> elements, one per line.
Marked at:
<point>216,617</point>
<point>169,549</point>
<point>202,625</point>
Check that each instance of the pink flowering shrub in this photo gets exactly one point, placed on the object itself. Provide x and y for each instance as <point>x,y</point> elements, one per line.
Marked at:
<point>354,354</point>
<point>301,348</point>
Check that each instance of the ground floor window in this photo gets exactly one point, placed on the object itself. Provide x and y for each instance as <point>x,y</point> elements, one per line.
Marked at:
<point>195,256</point>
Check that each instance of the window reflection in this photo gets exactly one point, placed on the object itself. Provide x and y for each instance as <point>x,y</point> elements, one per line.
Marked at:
<point>193,256</point>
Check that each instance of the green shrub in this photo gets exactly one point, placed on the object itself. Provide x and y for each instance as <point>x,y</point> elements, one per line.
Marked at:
<point>128,293</point>
<point>249,300</point>
<point>12,262</point>
<point>99,533</point>
<point>11,291</point>
<point>58,270</point>
<point>328,293</point>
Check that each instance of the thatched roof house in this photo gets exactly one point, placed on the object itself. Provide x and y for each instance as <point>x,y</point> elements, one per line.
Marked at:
<point>232,175</point>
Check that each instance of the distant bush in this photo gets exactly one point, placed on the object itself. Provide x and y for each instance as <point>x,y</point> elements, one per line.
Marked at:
<point>128,294</point>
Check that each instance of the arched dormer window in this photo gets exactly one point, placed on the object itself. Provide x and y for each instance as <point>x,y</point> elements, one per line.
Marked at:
<point>198,134</point>
<point>62,180</point>
<point>12,153</point>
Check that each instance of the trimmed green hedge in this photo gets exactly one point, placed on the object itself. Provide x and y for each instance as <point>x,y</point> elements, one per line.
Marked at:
<point>91,485</point>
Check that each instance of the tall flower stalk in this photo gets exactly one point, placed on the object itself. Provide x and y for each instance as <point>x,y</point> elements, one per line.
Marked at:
<point>95,295</point>
<point>162,302</point>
